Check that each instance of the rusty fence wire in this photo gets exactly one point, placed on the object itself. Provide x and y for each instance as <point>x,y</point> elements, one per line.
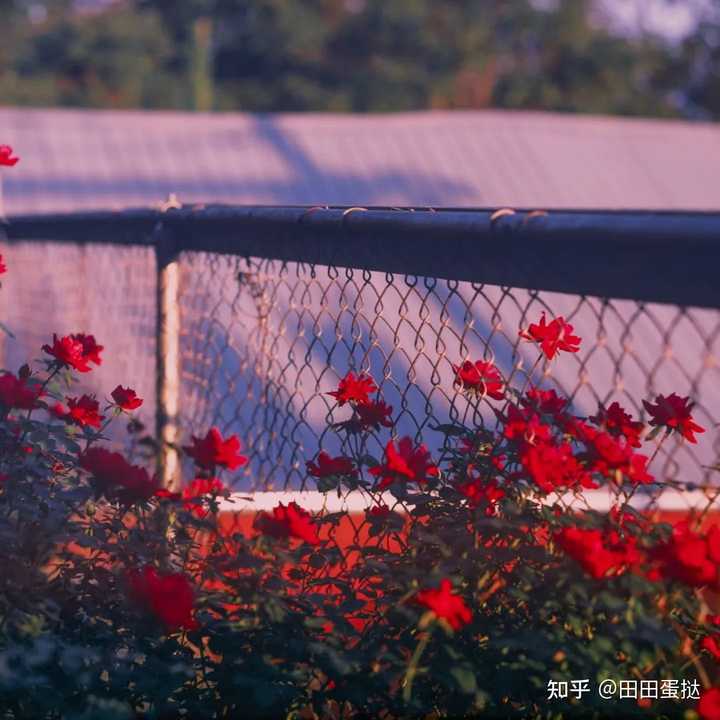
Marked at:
<point>274,308</point>
<point>263,341</point>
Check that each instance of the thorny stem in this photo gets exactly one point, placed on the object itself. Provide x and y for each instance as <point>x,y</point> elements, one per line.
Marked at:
<point>529,375</point>
<point>657,448</point>
<point>702,674</point>
<point>706,509</point>
<point>40,392</point>
<point>516,368</point>
<point>99,433</point>
<point>412,669</point>
<point>47,381</point>
<point>633,490</point>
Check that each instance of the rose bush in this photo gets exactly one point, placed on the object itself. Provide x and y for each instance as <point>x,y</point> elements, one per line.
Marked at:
<point>473,583</point>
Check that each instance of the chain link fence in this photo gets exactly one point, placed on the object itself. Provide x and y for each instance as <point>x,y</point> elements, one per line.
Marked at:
<point>264,341</point>
<point>105,289</point>
<point>275,305</point>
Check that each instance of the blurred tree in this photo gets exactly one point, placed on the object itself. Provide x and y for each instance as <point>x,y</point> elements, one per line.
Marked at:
<point>115,59</point>
<point>562,61</point>
<point>266,54</point>
<point>697,72</point>
<point>369,55</point>
<point>201,64</point>
<point>358,55</point>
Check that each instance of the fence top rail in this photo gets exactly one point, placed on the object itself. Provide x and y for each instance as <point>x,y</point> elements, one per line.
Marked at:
<point>656,256</point>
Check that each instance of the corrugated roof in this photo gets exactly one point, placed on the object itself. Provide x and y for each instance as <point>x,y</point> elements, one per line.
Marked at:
<point>73,159</point>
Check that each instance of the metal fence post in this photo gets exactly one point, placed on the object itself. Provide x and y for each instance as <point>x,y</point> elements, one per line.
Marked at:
<point>167,356</point>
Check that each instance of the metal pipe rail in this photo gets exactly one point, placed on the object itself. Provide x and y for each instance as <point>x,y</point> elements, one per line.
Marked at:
<point>667,257</point>
<point>647,257</point>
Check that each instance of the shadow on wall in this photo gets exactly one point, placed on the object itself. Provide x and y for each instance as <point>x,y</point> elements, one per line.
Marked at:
<point>217,169</point>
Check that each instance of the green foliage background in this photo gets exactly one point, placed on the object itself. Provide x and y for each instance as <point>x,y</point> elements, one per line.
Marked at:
<point>352,55</point>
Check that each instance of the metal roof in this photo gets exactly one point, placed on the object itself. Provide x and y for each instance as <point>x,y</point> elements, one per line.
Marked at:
<point>84,159</point>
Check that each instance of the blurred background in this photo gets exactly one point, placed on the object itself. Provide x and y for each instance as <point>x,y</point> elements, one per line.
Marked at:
<point>628,57</point>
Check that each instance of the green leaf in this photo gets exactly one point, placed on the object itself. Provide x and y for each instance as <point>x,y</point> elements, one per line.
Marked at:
<point>654,433</point>
<point>327,484</point>
<point>465,678</point>
<point>450,429</point>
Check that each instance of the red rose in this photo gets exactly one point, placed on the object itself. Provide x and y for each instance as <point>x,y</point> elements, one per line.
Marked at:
<point>552,337</point>
<point>354,389</point>
<point>6,156</point>
<point>289,521</point>
<point>599,554</point>
<point>328,466</point>
<point>405,463</point>
<point>75,351</point>
<point>709,705</point>
<point>673,412</point>
<point>550,464</point>
<point>373,414</point>
<point>711,644</point>
<point>523,425</point>
<point>15,392</point>
<point>59,410</point>
<point>91,350</point>
<point>690,557</point>
<point>3,267</point>
<point>609,454</point>
<point>547,402</point>
<point>619,423</point>
<point>82,411</point>
<point>212,450</point>
<point>445,604</point>
<point>480,377</point>
<point>169,596</point>
<point>553,467</point>
<point>203,486</point>
<point>165,494</point>
<point>126,398</point>
<point>477,492</point>
<point>68,352</point>
<point>115,477</point>
<point>199,489</point>
<point>378,511</point>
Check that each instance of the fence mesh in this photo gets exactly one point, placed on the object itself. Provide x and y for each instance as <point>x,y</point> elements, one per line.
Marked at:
<point>263,342</point>
<point>106,290</point>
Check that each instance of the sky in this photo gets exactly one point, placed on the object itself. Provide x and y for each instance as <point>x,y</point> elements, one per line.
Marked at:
<point>672,18</point>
